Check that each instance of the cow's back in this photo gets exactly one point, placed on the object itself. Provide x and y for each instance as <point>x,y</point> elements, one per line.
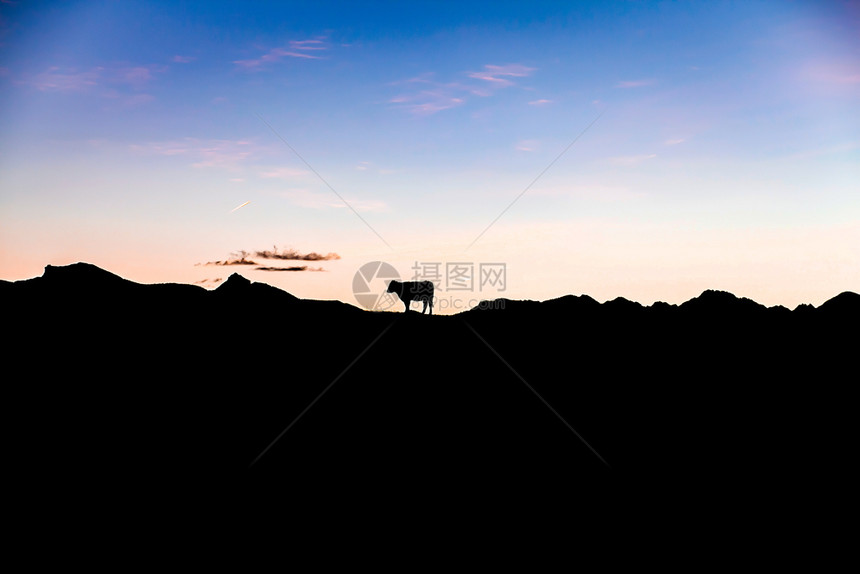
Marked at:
<point>421,290</point>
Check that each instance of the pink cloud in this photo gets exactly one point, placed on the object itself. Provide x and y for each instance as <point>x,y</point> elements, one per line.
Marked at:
<point>222,153</point>
<point>500,74</point>
<point>430,96</point>
<point>634,83</point>
<point>136,76</point>
<point>55,79</point>
<point>282,173</point>
<point>96,80</point>
<point>827,72</point>
<point>427,103</point>
<point>308,44</point>
<point>227,154</point>
<point>295,49</point>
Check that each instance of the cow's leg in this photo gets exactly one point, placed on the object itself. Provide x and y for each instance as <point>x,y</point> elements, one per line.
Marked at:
<point>430,303</point>
<point>424,310</point>
<point>406,303</point>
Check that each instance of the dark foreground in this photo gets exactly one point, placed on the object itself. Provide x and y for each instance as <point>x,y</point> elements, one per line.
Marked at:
<point>112,383</point>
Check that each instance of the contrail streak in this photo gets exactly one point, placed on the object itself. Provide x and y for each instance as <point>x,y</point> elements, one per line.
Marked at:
<point>239,206</point>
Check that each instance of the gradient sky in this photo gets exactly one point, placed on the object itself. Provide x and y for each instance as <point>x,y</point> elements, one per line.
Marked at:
<point>725,155</point>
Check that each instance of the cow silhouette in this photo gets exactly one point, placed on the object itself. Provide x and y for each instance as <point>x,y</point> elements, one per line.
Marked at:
<point>409,291</point>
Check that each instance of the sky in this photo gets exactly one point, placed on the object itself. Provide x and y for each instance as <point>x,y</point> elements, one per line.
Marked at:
<point>526,150</point>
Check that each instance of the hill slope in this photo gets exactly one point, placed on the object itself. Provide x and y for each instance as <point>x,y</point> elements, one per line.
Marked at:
<point>153,380</point>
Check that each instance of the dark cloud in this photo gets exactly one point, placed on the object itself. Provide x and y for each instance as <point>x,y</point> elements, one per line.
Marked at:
<point>293,255</point>
<point>232,262</point>
<point>297,268</point>
<point>240,258</point>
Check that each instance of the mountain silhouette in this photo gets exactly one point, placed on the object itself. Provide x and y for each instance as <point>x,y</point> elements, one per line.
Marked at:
<point>845,303</point>
<point>146,382</point>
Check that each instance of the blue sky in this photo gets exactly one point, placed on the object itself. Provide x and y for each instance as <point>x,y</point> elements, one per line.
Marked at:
<point>725,155</point>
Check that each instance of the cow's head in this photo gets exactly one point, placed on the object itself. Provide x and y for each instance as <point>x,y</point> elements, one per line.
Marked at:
<point>392,285</point>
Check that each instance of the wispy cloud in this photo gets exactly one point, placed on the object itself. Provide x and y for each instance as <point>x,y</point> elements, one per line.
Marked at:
<point>426,102</point>
<point>58,79</point>
<point>282,173</point>
<point>223,153</point>
<point>200,153</point>
<point>136,76</point>
<point>370,167</point>
<point>315,44</point>
<point>425,95</point>
<point>528,145</point>
<point>306,49</point>
<point>635,83</point>
<point>501,74</point>
<point>183,59</point>
<point>833,74</point>
<point>675,141</point>
<point>541,102</point>
<point>122,83</point>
